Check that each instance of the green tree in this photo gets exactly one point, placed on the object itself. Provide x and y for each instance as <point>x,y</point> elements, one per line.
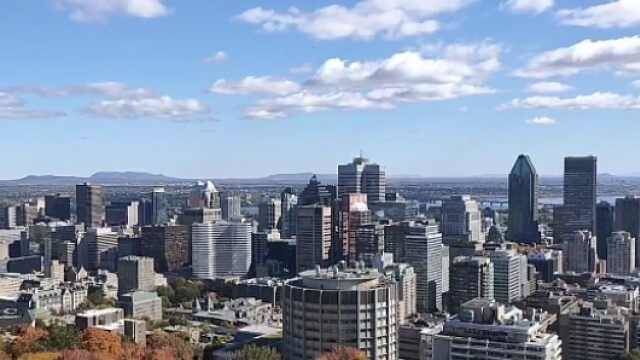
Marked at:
<point>253,352</point>
<point>62,337</point>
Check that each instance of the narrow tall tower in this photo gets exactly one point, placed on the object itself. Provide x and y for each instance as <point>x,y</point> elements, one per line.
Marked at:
<point>523,202</point>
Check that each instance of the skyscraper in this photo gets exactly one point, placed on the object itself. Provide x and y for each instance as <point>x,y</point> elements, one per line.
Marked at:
<point>159,214</point>
<point>508,275</point>
<point>57,206</point>
<point>523,202</point>
<point>288,203</point>
<point>424,253</point>
<point>461,225</point>
<point>135,273</point>
<point>313,239</point>
<point>580,253</point>
<point>604,227</point>
<point>580,185</point>
<point>353,213</point>
<point>360,176</point>
<point>90,205</point>
<point>316,193</point>
<point>230,205</point>
<point>221,249</point>
<point>621,247</point>
<point>627,218</point>
<point>168,245</point>
<point>268,214</point>
<point>470,277</point>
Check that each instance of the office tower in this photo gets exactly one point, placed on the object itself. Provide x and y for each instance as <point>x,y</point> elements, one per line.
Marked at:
<point>98,249</point>
<point>621,247</point>
<point>470,277</point>
<point>136,331</point>
<point>484,329</point>
<point>508,275</point>
<point>424,253</point>
<point>57,206</point>
<point>627,218</point>
<point>405,278</point>
<point>288,203</point>
<point>604,227</point>
<point>135,273</point>
<point>197,215</point>
<point>145,212</point>
<point>547,263</point>
<point>230,206</point>
<point>260,249</point>
<point>461,226</point>
<point>168,245</point>
<point>221,249</point>
<point>594,331</point>
<point>8,217</point>
<point>579,192</point>
<point>313,239</point>
<point>523,202</point>
<point>160,207</point>
<point>316,193</point>
<point>369,241</point>
<point>580,253</point>
<point>129,245</point>
<point>360,176</point>
<point>26,214</point>
<point>204,194</point>
<point>352,214</point>
<point>268,214</point>
<point>325,309</point>
<point>90,205</point>
<point>141,305</point>
<point>122,213</point>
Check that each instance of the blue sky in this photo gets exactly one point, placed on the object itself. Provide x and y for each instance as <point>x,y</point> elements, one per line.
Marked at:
<point>207,88</point>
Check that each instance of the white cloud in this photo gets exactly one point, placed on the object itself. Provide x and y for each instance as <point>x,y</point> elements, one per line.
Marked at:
<point>255,84</point>
<point>541,120</point>
<point>597,100</point>
<point>528,6</point>
<point>218,57</point>
<point>612,14</point>
<point>365,20</point>
<point>151,107</point>
<point>100,10</point>
<point>111,89</point>
<point>621,54</point>
<point>13,108</point>
<point>409,76</point>
<point>547,87</point>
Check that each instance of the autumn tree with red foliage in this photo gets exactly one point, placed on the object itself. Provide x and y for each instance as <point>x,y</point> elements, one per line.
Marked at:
<point>160,345</point>
<point>344,353</point>
<point>105,344</point>
<point>29,340</point>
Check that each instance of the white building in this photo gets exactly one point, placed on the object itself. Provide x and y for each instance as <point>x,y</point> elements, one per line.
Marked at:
<point>221,249</point>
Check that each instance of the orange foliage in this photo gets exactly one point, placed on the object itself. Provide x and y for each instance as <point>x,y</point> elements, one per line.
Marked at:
<point>28,341</point>
<point>344,353</point>
<point>79,354</point>
<point>106,344</point>
<point>161,344</point>
<point>41,356</point>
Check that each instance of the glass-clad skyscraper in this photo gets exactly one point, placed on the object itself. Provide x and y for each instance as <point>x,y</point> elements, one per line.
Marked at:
<point>523,202</point>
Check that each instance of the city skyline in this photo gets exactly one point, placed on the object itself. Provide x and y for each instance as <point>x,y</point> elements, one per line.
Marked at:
<point>178,85</point>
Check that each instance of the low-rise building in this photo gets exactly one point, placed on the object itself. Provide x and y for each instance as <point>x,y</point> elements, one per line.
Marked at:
<point>141,305</point>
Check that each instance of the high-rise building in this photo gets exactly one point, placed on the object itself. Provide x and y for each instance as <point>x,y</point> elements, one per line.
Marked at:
<point>159,214</point>
<point>313,239</point>
<point>8,217</point>
<point>621,247</point>
<point>168,245</point>
<point>627,218</point>
<point>325,309</point>
<point>135,273</point>
<point>579,193</point>
<point>487,330</point>
<point>288,203</point>
<point>461,225</point>
<point>221,249</point>
<point>405,278</point>
<point>360,176</point>
<point>90,205</point>
<point>580,253</point>
<point>508,275</point>
<point>316,193</point>
<point>122,213</point>
<point>369,240</point>
<point>594,331</point>
<point>231,207</point>
<point>523,202</point>
<point>604,227</point>
<point>268,214</point>
<point>424,253</point>
<point>204,194</point>
<point>145,212</point>
<point>98,249</point>
<point>353,213</point>
<point>192,216</point>
<point>470,277</point>
<point>57,206</point>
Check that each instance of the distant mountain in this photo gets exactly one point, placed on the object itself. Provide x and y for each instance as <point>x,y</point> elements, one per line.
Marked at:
<point>99,178</point>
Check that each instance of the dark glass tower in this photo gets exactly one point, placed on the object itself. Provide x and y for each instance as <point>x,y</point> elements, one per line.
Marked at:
<point>604,227</point>
<point>627,218</point>
<point>523,202</point>
<point>580,182</point>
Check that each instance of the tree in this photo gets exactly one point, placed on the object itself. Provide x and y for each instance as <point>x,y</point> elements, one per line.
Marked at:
<point>160,343</point>
<point>344,353</point>
<point>62,337</point>
<point>29,340</point>
<point>253,352</point>
<point>41,356</point>
<point>106,344</point>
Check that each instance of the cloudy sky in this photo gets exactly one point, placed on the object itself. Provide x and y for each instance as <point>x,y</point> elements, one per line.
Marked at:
<point>218,88</point>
